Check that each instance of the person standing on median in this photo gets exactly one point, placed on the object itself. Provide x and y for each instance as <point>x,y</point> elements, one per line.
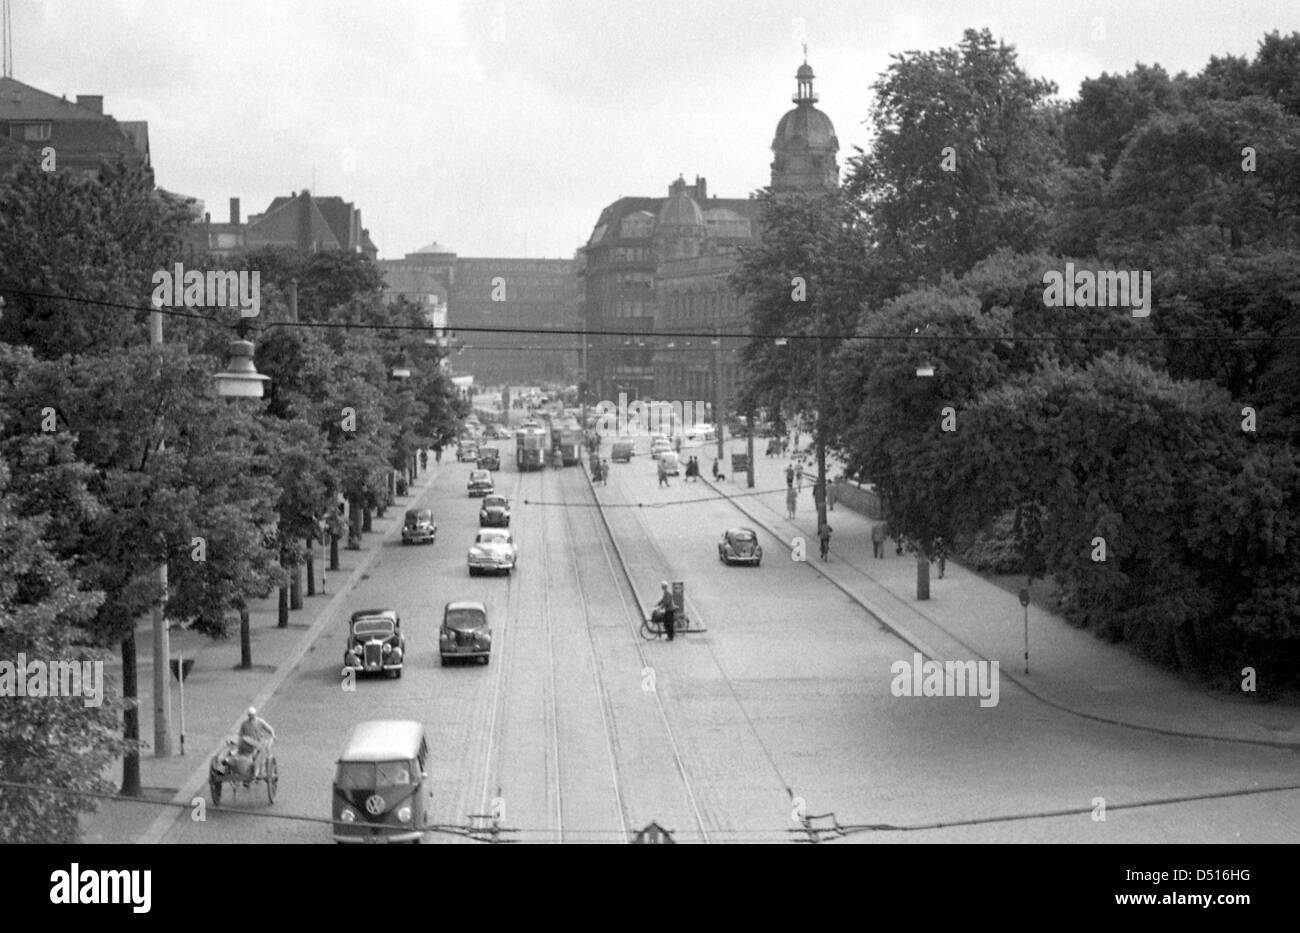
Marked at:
<point>663,472</point>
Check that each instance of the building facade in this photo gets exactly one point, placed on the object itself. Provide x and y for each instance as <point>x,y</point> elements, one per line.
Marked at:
<point>524,298</point>
<point>80,137</point>
<point>662,266</point>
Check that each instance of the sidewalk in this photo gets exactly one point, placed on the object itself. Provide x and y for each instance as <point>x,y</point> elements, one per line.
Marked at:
<point>970,618</point>
<point>217,692</point>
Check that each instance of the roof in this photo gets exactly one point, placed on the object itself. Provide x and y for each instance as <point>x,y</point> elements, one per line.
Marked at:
<point>805,125</point>
<point>383,740</point>
<point>20,101</point>
<point>462,604</point>
<point>279,224</point>
<point>366,613</point>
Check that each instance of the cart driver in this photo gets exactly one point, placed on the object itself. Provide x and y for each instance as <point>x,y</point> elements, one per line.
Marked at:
<point>255,735</point>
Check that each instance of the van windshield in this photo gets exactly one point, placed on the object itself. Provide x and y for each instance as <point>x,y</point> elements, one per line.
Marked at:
<point>370,775</point>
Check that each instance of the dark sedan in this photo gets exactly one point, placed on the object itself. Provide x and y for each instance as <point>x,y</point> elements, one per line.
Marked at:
<point>495,512</point>
<point>740,546</point>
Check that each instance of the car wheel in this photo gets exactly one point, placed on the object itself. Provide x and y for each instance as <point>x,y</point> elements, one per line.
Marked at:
<point>443,659</point>
<point>473,572</point>
<point>484,659</point>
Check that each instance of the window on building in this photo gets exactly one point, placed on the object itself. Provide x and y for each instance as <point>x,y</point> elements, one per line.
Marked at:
<point>29,132</point>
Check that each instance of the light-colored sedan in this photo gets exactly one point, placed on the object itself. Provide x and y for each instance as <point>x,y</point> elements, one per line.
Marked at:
<point>493,551</point>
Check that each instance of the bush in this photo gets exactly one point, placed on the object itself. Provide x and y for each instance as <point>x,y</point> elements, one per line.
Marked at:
<point>994,548</point>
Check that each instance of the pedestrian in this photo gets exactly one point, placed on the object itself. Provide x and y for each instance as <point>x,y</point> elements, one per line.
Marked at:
<point>798,474</point>
<point>941,554</point>
<point>824,536</point>
<point>437,453</point>
<point>878,535</point>
<point>791,499</point>
<point>663,473</point>
<point>717,474</point>
<point>789,475</point>
<point>604,472</point>
<point>424,459</point>
<point>677,443</point>
<point>668,610</point>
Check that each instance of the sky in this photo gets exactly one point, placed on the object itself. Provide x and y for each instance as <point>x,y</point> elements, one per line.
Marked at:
<point>503,128</point>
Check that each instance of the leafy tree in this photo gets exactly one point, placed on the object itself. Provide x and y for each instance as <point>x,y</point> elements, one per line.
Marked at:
<point>976,100</point>
<point>57,744</point>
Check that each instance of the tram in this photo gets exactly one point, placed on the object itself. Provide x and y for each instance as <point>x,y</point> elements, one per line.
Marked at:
<point>531,444</point>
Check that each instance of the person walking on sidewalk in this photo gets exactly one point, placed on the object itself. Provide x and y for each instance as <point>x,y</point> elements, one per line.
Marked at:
<point>878,535</point>
<point>663,473</point>
<point>798,474</point>
<point>824,536</point>
<point>791,500</point>
<point>789,474</point>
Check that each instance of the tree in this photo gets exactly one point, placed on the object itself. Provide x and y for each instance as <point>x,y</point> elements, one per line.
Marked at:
<point>60,745</point>
<point>963,161</point>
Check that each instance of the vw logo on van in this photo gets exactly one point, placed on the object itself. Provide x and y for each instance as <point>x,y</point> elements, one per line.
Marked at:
<point>374,804</point>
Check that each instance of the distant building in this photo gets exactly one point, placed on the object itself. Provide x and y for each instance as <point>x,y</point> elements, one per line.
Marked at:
<point>300,221</point>
<point>663,264</point>
<point>83,138</point>
<point>529,296</point>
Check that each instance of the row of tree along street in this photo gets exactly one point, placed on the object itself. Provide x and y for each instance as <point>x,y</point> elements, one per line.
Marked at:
<point>117,456</point>
<point>1146,464</point>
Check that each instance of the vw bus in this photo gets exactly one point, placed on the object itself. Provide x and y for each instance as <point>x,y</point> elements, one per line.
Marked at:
<point>383,791</point>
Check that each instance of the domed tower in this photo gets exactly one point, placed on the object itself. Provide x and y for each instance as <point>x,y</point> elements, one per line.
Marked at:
<point>679,228</point>
<point>805,143</point>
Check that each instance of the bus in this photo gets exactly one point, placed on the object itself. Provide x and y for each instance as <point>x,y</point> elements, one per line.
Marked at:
<point>531,444</point>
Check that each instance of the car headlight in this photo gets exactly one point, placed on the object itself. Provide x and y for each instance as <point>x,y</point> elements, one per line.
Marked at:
<point>397,655</point>
<point>404,815</point>
<point>388,649</point>
<point>348,815</point>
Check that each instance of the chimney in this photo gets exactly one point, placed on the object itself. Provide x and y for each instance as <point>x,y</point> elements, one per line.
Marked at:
<point>91,102</point>
<point>701,189</point>
<point>234,211</point>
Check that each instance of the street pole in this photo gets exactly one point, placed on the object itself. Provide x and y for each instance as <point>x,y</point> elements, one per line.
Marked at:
<point>162,694</point>
<point>718,418</point>
<point>819,491</point>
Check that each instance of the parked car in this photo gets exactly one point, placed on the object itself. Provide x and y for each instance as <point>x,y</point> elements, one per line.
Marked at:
<point>495,512</point>
<point>480,483</point>
<point>467,450</point>
<point>493,551</point>
<point>489,458</point>
<point>464,632</point>
<point>671,462</point>
<point>740,546</point>
<point>622,451</point>
<point>375,643</point>
<point>660,445</point>
<point>419,527</point>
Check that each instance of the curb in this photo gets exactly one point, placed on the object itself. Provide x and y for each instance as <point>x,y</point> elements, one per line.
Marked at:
<point>198,778</point>
<point>911,640</point>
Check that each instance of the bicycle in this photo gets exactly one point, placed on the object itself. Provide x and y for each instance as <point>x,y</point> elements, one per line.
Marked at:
<point>653,627</point>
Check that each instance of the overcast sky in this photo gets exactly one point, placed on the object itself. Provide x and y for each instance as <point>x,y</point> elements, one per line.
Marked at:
<point>502,128</point>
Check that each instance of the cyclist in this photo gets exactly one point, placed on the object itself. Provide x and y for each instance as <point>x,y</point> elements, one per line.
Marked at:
<point>667,609</point>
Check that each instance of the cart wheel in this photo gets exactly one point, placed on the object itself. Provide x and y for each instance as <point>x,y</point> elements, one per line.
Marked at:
<point>272,780</point>
<point>214,789</point>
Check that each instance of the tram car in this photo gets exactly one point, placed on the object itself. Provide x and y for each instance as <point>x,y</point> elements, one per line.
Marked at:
<point>531,444</point>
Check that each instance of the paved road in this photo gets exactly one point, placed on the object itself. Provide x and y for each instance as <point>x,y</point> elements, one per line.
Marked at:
<point>584,731</point>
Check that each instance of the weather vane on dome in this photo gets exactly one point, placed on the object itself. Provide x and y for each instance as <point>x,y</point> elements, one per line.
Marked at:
<point>805,53</point>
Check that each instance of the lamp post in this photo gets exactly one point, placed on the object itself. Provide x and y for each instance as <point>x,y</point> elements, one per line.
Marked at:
<point>162,696</point>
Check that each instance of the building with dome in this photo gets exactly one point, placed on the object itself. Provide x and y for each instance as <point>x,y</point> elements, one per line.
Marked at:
<point>661,265</point>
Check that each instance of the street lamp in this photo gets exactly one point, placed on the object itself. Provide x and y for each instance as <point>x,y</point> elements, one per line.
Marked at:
<point>241,378</point>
